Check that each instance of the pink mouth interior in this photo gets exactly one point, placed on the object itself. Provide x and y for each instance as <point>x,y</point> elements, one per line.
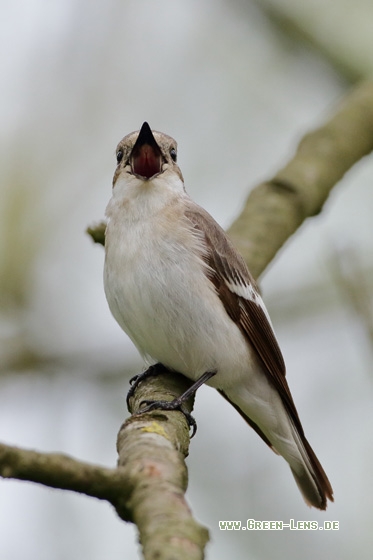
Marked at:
<point>146,162</point>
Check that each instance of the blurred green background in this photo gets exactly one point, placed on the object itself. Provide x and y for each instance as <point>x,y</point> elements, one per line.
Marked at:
<point>237,83</point>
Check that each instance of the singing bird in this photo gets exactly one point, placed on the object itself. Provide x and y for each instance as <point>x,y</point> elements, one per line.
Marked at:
<point>183,294</point>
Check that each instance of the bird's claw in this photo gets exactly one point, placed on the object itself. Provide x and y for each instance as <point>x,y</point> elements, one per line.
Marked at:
<point>152,371</point>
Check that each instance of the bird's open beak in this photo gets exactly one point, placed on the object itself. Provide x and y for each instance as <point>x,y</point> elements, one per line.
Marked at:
<point>146,155</point>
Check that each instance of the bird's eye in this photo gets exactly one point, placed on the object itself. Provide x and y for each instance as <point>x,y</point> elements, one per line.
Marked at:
<point>173,154</point>
<point>119,155</point>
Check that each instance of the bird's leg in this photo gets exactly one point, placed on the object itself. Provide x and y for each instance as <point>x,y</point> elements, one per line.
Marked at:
<point>177,404</point>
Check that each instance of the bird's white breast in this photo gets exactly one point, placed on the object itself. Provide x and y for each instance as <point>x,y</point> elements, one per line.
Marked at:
<point>158,292</point>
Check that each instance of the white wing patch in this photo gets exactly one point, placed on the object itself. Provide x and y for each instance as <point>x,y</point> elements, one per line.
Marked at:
<point>245,291</point>
<point>248,292</point>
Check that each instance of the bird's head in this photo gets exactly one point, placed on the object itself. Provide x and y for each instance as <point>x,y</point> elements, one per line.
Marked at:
<point>146,154</point>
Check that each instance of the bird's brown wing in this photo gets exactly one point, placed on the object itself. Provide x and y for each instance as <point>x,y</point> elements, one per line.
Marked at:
<point>240,296</point>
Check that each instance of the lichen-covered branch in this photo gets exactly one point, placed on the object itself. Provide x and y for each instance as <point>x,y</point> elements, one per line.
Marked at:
<point>149,483</point>
<point>152,448</point>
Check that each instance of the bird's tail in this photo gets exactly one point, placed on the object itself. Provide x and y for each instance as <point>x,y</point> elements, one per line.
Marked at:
<point>288,440</point>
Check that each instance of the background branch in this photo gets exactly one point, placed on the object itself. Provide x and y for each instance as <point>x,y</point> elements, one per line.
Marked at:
<point>275,209</point>
<point>338,52</point>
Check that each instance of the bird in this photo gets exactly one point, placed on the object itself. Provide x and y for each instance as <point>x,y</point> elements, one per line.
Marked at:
<point>185,297</point>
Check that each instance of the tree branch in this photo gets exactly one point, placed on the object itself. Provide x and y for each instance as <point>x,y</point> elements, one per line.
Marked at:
<point>153,447</point>
<point>149,483</point>
<point>60,471</point>
<point>275,209</point>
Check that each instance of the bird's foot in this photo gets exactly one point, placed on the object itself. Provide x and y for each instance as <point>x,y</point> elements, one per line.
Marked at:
<point>152,371</point>
<point>176,404</point>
